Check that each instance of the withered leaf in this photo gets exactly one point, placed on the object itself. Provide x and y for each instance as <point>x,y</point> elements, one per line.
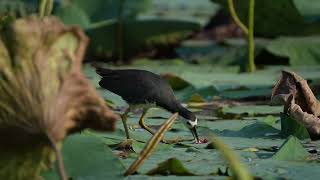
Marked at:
<point>299,102</point>
<point>43,94</point>
<point>310,121</point>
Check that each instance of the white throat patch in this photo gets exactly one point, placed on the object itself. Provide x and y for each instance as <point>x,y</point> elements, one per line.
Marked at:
<point>194,123</point>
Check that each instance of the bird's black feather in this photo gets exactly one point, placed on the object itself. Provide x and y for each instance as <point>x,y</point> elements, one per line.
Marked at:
<point>142,87</point>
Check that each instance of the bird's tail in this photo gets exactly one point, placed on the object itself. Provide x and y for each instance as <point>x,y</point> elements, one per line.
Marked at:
<point>101,71</point>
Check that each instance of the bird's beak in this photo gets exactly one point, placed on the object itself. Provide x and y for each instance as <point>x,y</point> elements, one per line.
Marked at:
<point>195,134</point>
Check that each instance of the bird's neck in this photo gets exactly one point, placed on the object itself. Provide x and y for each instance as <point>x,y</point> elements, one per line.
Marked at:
<point>184,112</point>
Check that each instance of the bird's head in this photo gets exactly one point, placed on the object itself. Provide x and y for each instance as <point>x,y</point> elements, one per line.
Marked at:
<point>190,121</point>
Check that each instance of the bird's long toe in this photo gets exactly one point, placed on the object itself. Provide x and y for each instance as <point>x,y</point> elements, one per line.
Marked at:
<point>125,145</point>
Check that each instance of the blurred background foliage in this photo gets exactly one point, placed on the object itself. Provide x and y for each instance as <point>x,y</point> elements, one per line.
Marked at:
<point>286,32</point>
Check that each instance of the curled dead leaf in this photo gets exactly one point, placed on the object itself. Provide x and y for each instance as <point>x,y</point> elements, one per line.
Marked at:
<point>43,95</point>
<point>309,121</point>
<point>299,102</point>
<point>291,83</point>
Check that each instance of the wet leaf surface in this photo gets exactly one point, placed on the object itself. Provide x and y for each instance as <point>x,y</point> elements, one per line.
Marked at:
<point>252,110</point>
<point>255,137</point>
<point>291,150</point>
<point>171,166</point>
<point>296,48</point>
<point>98,161</point>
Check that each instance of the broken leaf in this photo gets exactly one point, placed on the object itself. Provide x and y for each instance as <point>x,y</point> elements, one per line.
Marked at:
<point>196,98</point>
<point>171,166</point>
<point>271,120</point>
<point>291,127</point>
<point>291,150</point>
<point>176,82</point>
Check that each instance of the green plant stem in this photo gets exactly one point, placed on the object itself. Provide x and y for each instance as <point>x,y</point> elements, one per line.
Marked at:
<point>251,65</point>
<point>239,171</point>
<point>151,145</point>
<point>120,31</point>
<point>49,7</point>
<point>45,8</point>
<point>42,8</point>
<point>236,18</point>
<point>59,163</point>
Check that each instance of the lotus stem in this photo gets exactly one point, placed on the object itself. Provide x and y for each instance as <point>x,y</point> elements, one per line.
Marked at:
<point>239,171</point>
<point>45,8</point>
<point>59,164</point>
<point>236,18</point>
<point>249,32</point>
<point>151,145</point>
<point>251,64</point>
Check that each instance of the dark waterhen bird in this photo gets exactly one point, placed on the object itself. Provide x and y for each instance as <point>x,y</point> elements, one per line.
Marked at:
<point>145,89</point>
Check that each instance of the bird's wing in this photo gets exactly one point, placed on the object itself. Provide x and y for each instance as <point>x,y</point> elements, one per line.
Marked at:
<point>127,84</point>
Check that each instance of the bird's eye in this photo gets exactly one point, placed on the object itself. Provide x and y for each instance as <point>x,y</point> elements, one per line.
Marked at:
<point>189,123</point>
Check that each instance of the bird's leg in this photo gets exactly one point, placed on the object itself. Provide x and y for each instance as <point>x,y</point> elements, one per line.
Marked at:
<point>126,145</point>
<point>124,118</point>
<point>144,126</point>
<point>141,121</point>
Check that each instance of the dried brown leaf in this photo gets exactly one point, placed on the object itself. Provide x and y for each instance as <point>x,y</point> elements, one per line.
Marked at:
<point>299,102</point>
<point>43,94</point>
<point>291,83</point>
<point>309,121</point>
<point>285,87</point>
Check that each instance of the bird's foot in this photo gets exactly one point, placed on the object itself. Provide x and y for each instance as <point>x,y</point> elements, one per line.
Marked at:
<point>175,140</point>
<point>125,145</point>
<point>179,140</point>
<point>166,141</point>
